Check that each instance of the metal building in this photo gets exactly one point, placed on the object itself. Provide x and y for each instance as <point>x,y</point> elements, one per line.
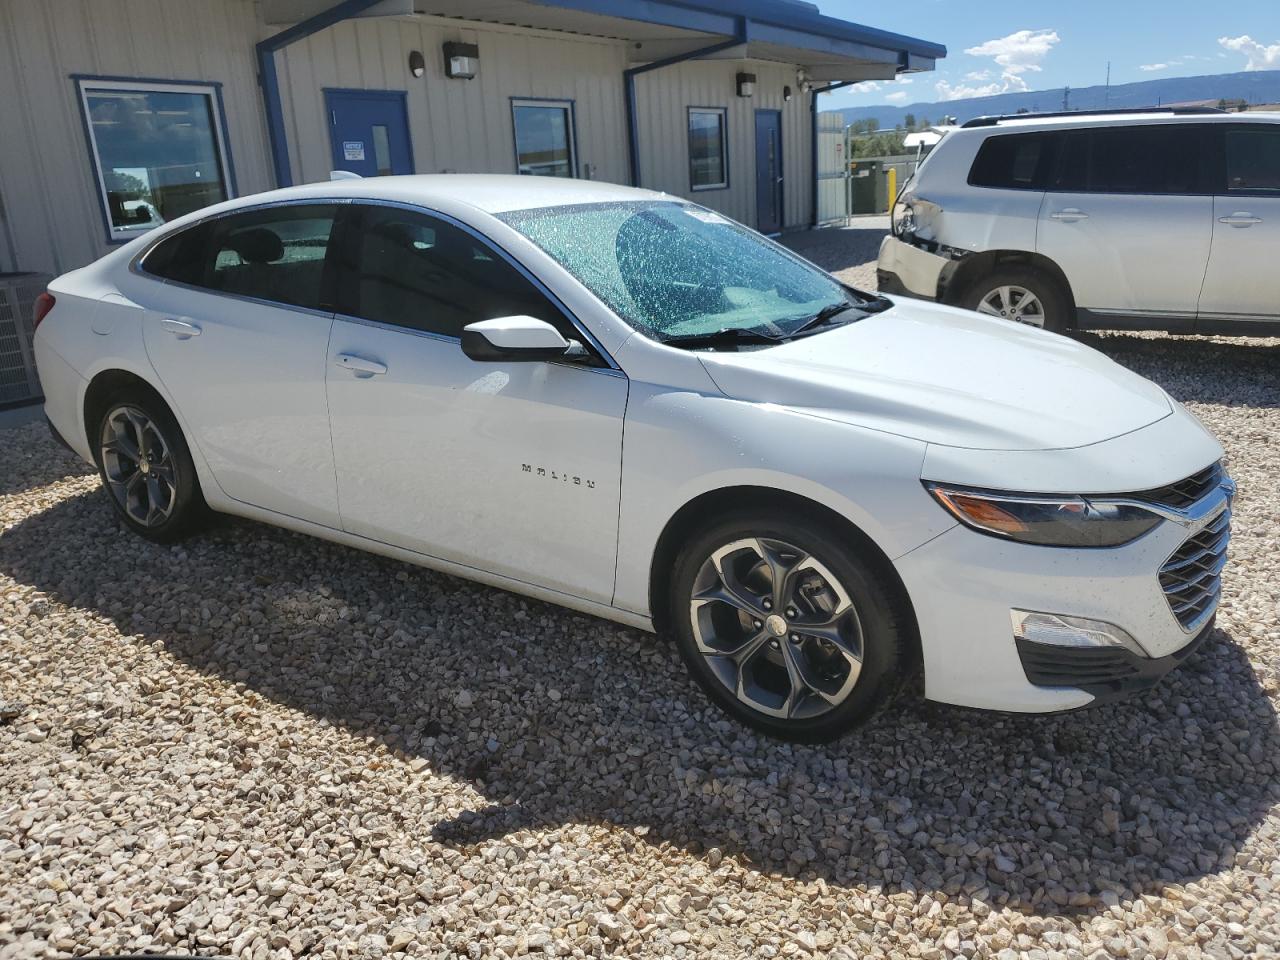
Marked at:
<point>121,114</point>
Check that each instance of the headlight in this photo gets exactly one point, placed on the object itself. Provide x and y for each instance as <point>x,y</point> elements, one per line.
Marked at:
<point>1045,520</point>
<point>904,220</point>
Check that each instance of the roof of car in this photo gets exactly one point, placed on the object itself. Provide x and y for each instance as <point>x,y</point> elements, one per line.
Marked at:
<point>1116,118</point>
<point>492,193</point>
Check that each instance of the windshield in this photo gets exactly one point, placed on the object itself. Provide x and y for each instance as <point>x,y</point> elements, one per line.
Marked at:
<point>676,271</point>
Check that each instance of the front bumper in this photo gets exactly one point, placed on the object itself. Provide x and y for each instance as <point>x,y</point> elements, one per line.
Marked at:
<point>963,585</point>
<point>909,271</point>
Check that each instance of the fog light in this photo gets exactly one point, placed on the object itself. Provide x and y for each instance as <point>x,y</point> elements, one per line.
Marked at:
<point>1059,630</point>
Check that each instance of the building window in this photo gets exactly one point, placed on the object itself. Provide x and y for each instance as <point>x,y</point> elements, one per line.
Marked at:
<point>157,148</point>
<point>544,137</point>
<point>708,149</point>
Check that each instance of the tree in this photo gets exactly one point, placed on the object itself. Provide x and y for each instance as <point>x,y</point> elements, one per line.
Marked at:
<point>910,121</point>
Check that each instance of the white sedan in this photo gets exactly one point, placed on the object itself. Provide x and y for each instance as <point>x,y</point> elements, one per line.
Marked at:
<point>626,404</point>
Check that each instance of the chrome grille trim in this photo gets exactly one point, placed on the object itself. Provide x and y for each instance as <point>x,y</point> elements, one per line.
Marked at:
<point>1192,576</point>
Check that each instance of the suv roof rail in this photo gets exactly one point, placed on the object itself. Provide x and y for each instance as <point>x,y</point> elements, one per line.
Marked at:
<point>1176,111</point>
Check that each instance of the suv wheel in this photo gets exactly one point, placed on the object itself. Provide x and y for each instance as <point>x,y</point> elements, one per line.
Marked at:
<point>147,469</point>
<point>1022,295</point>
<point>786,629</point>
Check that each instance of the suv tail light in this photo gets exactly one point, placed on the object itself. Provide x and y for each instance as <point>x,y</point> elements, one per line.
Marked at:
<point>44,303</point>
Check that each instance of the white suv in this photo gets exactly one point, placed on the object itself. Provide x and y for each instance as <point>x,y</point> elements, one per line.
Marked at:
<point>1157,220</point>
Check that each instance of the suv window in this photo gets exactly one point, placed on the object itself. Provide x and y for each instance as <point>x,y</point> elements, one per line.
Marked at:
<point>272,253</point>
<point>1147,159</point>
<point>1253,160</point>
<point>417,271</point>
<point>1015,161</point>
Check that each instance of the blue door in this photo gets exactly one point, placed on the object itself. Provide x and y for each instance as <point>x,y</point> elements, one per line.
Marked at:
<point>768,171</point>
<point>369,130</point>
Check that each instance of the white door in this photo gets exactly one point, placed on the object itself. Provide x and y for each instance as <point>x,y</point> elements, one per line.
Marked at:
<point>1243,282</point>
<point>1128,220</point>
<point>513,468</point>
<point>239,338</point>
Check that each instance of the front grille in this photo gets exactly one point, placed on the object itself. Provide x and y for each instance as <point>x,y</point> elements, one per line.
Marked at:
<point>1192,577</point>
<point>1185,492</point>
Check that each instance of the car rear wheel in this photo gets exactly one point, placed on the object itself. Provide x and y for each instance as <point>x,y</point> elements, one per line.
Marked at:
<point>1022,295</point>
<point>147,469</point>
<point>786,628</point>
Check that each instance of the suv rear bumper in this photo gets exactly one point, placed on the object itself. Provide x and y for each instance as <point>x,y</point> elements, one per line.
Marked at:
<point>909,271</point>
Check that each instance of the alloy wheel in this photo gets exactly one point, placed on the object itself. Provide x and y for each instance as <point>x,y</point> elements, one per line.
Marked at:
<point>138,465</point>
<point>777,628</point>
<point>1015,303</point>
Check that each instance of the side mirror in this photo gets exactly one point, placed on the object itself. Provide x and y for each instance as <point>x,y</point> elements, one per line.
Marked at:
<point>514,339</point>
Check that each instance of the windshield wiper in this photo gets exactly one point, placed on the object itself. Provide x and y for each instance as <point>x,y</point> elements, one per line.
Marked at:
<point>825,316</point>
<point>728,337</point>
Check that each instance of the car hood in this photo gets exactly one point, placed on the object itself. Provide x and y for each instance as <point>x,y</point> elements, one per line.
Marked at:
<point>948,377</point>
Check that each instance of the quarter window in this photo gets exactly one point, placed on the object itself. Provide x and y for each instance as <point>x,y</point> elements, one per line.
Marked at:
<point>417,271</point>
<point>1253,160</point>
<point>157,151</point>
<point>1012,162</point>
<point>708,158</point>
<point>544,137</point>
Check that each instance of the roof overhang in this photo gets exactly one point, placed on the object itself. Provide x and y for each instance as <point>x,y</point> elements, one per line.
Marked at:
<point>786,31</point>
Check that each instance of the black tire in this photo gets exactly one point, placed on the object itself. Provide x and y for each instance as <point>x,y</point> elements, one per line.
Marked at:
<point>174,516</point>
<point>1056,303</point>
<point>885,627</point>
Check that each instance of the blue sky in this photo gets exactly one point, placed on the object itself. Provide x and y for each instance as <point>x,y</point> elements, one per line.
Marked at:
<point>999,46</point>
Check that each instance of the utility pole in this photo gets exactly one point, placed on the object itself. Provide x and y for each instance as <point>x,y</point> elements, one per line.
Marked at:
<point>1106,97</point>
<point>1066,99</point>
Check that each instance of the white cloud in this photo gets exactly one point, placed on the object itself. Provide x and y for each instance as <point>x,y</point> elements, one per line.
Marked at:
<point>1259,56</point>
<point>1153,67</point>
<point>1018,53</point>
<point>899,96</point>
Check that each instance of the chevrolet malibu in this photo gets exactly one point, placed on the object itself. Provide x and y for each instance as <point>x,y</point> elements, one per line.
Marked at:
<point>624,403</point>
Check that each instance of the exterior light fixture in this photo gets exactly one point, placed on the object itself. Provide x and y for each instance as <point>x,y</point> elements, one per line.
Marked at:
<point>417,64</point>
<point>786,94</point>
<point>461,60</point>
<point>746,84</point>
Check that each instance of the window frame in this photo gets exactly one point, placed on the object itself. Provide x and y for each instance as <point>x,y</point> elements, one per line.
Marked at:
<point>331,272</point>
<point>88,83</point>
<point>570,108</point>
<point>345,235</point>
<point>723,114</point>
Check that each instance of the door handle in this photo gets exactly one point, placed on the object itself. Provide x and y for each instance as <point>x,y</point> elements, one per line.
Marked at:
<point>1240,218</point>
<point>1069,215</point>
<point>360,365</point>
<point>182,329</point>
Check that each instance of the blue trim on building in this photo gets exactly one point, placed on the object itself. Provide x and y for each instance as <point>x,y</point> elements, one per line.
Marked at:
<point>82,79</point>
<point>573,127</point>
<point>270,79</point>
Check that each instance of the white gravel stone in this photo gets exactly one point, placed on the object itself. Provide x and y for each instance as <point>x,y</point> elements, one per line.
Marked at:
<point>262,746</point>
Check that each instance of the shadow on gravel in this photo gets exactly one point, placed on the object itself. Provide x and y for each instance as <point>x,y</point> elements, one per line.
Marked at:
<point>1190,368</point>
<point>1038,814</point>
<point>837,248</point>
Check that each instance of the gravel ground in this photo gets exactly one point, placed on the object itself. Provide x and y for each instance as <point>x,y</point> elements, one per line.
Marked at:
<point>260,745</point>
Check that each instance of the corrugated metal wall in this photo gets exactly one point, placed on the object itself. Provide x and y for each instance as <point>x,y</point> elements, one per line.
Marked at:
<point>51,202</point>
<point>662,97</point>
<point>458,126</point>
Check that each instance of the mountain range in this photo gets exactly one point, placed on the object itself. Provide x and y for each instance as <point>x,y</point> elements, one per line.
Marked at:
<point>1255,86</point>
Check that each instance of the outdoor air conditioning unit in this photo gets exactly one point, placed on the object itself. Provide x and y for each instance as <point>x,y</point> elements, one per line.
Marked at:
<point>18,381</point>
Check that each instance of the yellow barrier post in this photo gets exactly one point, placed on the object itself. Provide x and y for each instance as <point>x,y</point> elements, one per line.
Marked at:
<point>893,186</point>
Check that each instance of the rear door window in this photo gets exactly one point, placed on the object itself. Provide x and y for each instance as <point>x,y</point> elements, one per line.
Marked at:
<point>1016,161</point>
<point>276,254</point>
<point>1164,159</point>
<point>1253,160</point>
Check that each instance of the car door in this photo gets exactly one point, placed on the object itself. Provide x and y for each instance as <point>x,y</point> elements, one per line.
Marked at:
<point>1127,217</point>
<point>1242,284</point>
<point>238,334</point>
<point>509,467</point>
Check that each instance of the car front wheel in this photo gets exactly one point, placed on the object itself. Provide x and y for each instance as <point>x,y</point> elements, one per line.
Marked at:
<point>787,629</point>
<point>1021,295</point>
